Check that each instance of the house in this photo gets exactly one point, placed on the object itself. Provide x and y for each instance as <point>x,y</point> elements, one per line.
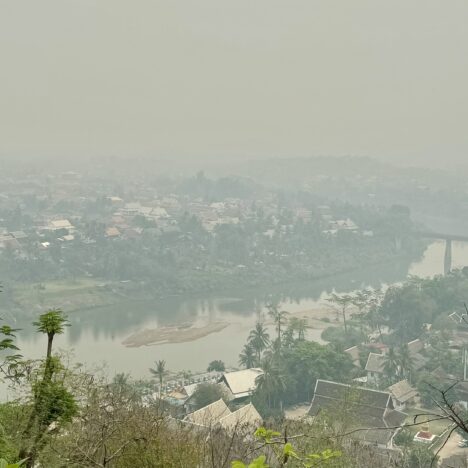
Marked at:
<point>415,346</point>
<point>241,384</point>
<point>112,232</point>
<point>60,224</point>
<point>369,410</point>
<point>115,201</point>
<point>19,235</point>
<point>354,354</point>
<point>246,417</point>
<point>210,415</point>
<point>418,361</point>
<point>375,368</point>
<point>218,415</point>
<point>9,242</point>
<point>402,394</point>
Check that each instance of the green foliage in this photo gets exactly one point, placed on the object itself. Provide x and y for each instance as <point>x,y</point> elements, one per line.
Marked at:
<point>5,464</point>
<point>343,340</point>
<point>420,457</point>
<point>159,371</point>
<point>248,356</point>
<point>216,366</point>
<point>259,462</point>
<point>430,387</point>
<point>54,403</point>
<point>207,393</point>
<point>11,367</point>
<point>53,322</point>
<point>258,340</point>
<point>285,452</point>
<point>308,361</point>
<point>404,438</point>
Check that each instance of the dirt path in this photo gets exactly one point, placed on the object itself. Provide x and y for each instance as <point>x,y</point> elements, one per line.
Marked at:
<point>451,447</point>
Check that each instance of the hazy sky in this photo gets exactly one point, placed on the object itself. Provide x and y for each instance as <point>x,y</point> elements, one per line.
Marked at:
<point>236,78</point>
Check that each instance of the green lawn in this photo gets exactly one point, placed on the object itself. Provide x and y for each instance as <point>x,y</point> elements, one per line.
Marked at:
<point>70,294</point>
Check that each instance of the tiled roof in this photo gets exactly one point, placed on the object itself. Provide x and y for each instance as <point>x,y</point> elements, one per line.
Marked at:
<point>209,415</point>
<point>375,363</point>
<point>418,361</point>
<point>354,353</point>
<point>415,346</point>
<point>402,391</point>
<point>245,417</point>
<point>367,409</point>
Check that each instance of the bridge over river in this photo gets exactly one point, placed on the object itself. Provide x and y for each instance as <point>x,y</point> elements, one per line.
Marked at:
<point>448,238</point>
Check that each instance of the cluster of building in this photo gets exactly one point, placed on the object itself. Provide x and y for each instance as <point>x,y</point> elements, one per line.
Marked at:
<point>68,204</point>
<point>374,416</point>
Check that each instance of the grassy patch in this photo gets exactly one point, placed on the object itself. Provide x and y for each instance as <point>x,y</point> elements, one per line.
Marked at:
<point>436,427</point>
<point>68,294</point>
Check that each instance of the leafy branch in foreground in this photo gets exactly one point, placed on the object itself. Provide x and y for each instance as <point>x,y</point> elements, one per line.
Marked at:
<point>5,464</point>
<point>284,451</point>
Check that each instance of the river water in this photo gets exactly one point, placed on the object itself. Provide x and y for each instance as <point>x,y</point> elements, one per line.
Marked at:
<point>96,336</point>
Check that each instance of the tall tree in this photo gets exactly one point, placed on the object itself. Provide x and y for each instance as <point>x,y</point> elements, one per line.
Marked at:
<point>279,318</point>
<point>247,357</point>
<point>298,326</point>
<point>52,402</point>
<point>160,372</point>
<point>342,302</point>
<point>259,339</point>
<point>405,361</point>
<point>52,323</point>
<point>272,383</point>
<point>392,364</point>
<point>216,366</point>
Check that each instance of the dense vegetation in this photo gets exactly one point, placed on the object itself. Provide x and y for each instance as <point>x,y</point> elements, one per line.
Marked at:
<point>65,417</point>
<point>268,243</point>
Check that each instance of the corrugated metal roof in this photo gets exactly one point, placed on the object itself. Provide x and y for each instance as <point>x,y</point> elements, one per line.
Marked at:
<point>242,383</point>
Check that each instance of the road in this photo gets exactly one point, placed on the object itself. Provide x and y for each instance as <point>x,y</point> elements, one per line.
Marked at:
<point>451,447</point>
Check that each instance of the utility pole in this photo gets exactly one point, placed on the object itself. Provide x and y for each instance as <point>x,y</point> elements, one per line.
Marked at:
<point>465,360</point>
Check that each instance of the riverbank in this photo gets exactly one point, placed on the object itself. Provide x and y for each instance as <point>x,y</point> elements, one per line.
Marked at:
<point>85,293</point>
<point>318,318</point>
<point>96,334</point>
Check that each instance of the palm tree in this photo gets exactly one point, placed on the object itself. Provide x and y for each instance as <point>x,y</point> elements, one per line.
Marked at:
<point>247,357</point>
<point>299,326</point>
<point>373,316</point>
<point>259,339</point>
<point>52,323</point>
<point>159,371</point>
<point>279,318</point>
<point>391,366</point>
<point>405,361</point>
<point>361,300</point>
<point>342,303</point>
<point>272,383</point>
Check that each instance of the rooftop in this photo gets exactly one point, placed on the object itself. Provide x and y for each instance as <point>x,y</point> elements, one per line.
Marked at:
<point>242,383</point>
<point>368,409</point>
<point>402,391</point>
<point>375,363</point>
<point>245,416</point>
<point>209,415</point>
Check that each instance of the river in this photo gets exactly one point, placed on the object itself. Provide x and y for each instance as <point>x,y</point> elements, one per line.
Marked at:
<point>96,335</point>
